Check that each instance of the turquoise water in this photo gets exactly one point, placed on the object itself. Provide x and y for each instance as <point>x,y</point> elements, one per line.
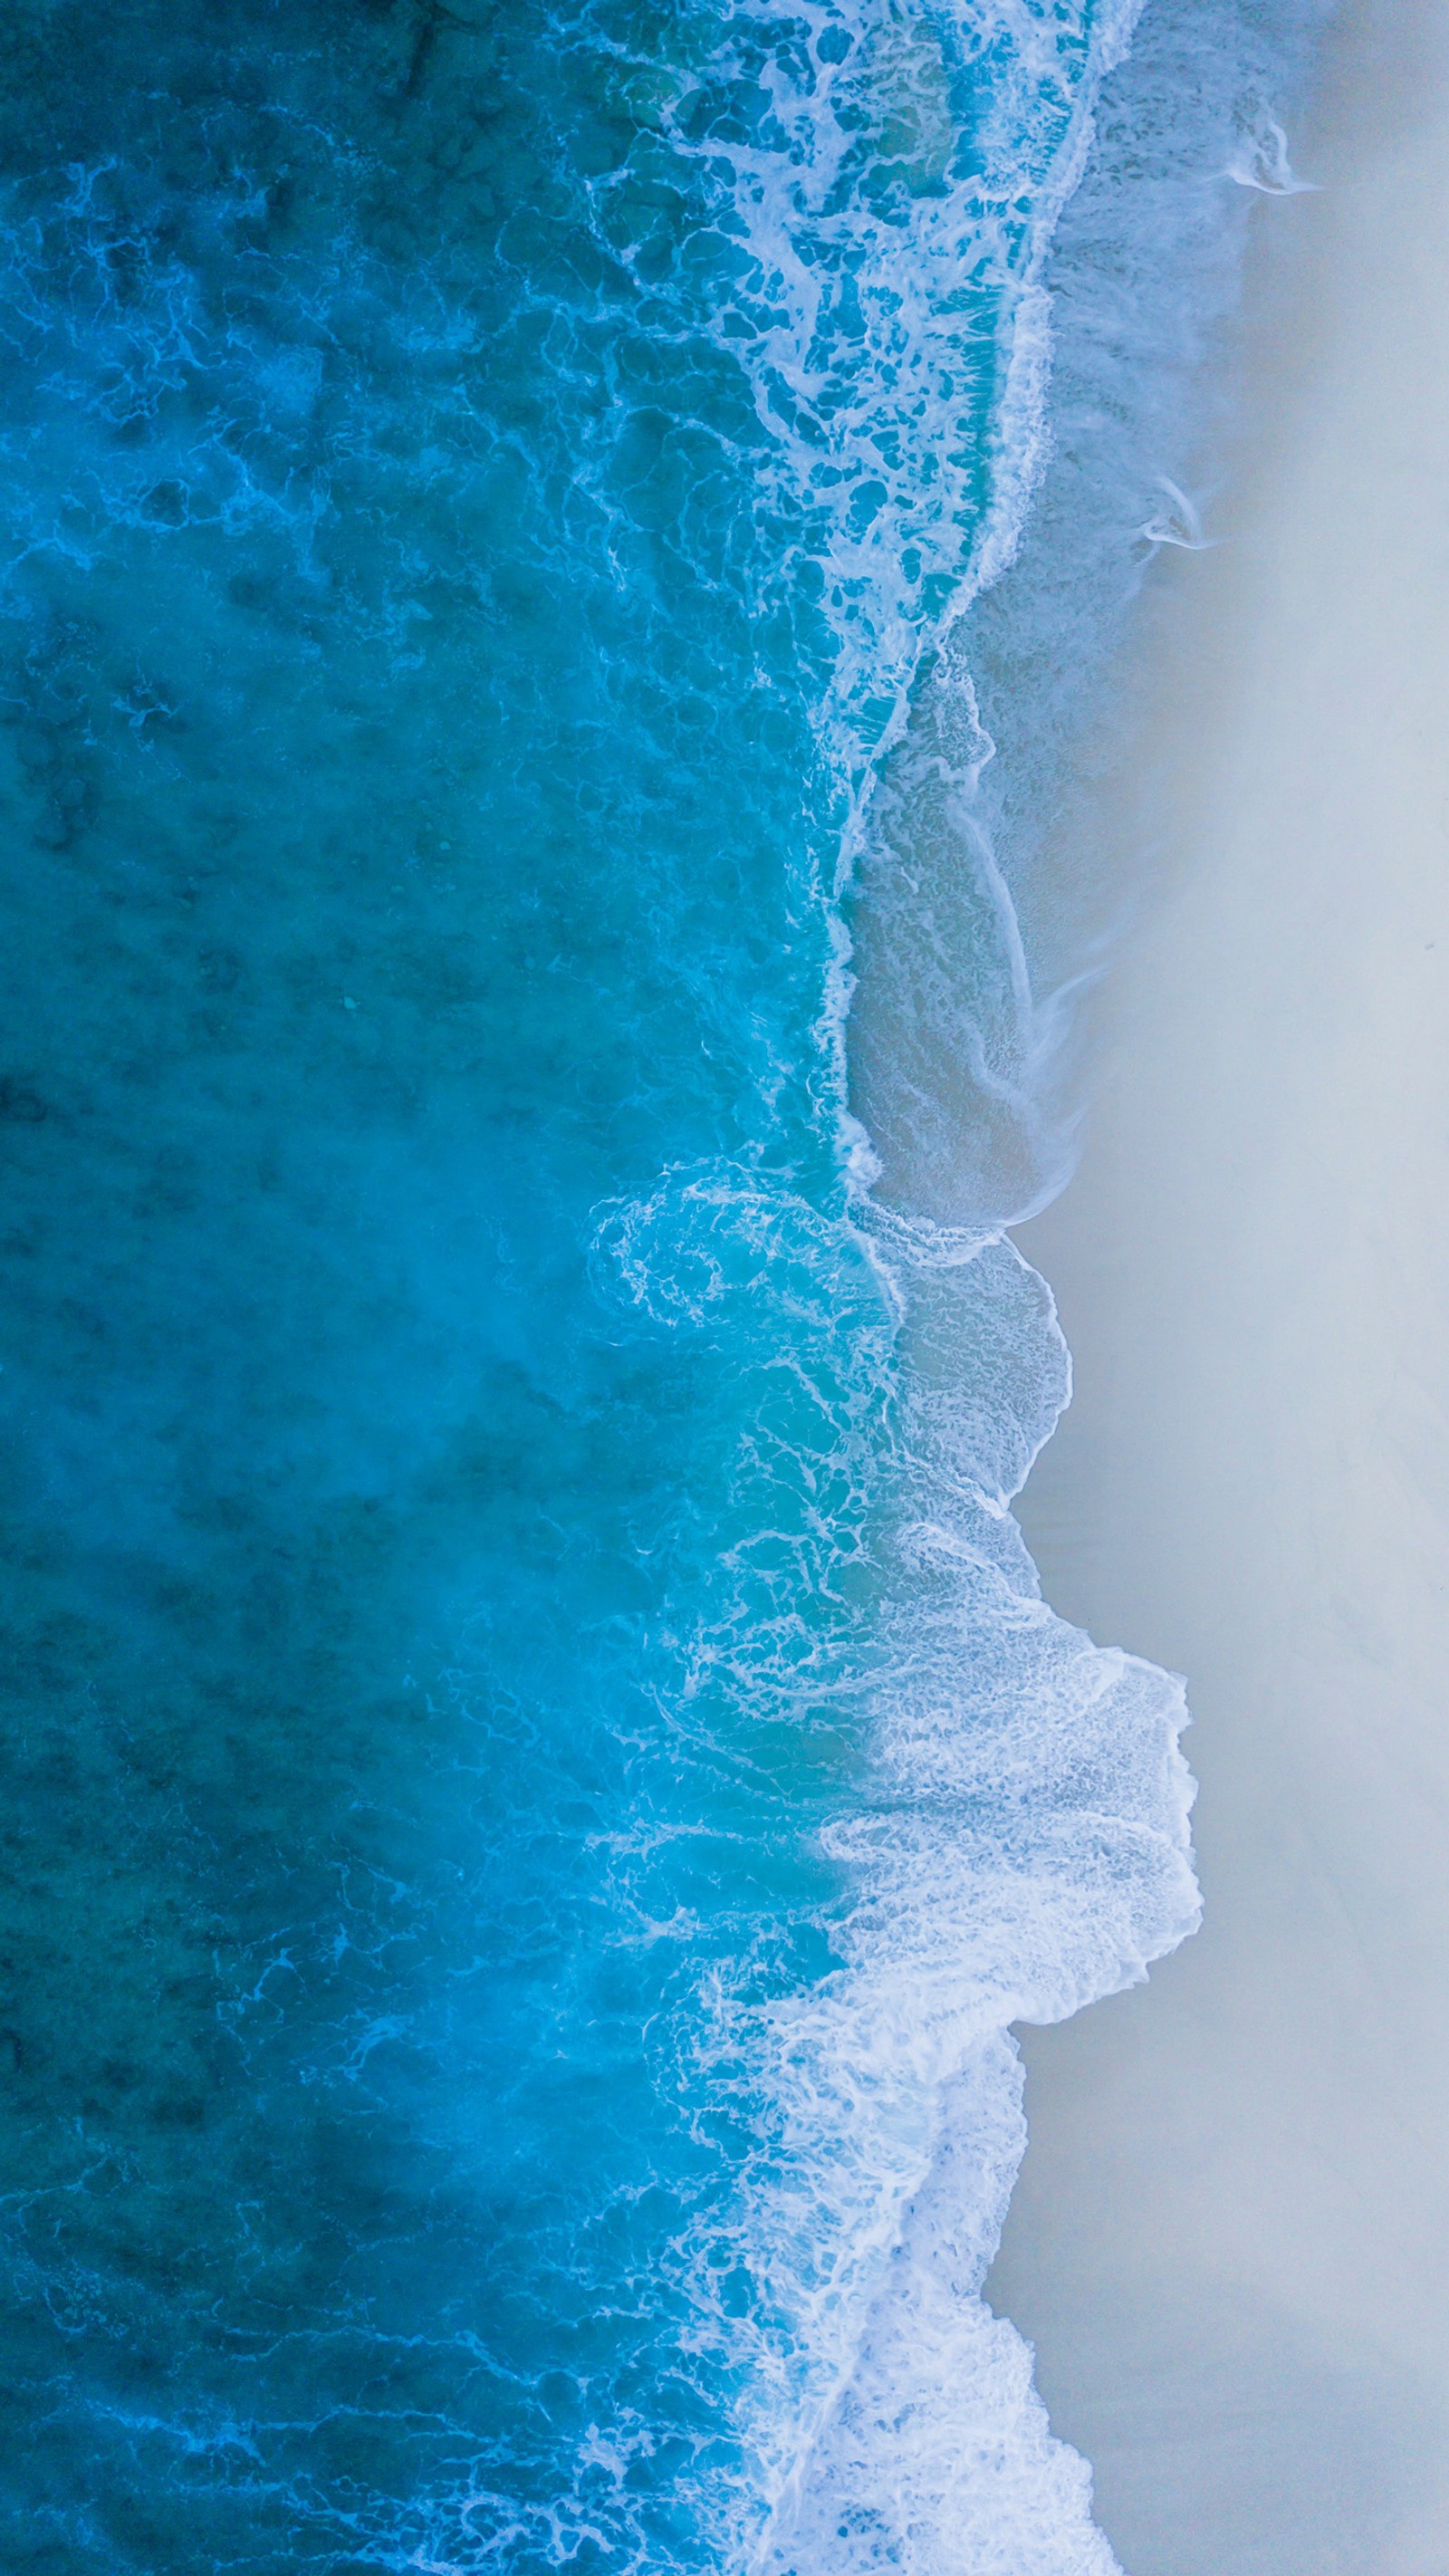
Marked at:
<point>537,1774</point>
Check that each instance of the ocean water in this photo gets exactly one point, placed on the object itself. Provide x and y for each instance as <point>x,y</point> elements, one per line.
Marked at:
<point>555,565</point>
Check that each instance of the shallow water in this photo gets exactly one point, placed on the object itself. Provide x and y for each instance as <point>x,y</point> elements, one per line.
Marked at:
<point>537,1772</point>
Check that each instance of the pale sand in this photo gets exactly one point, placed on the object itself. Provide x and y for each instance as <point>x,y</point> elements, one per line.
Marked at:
<point>1231,2240</point>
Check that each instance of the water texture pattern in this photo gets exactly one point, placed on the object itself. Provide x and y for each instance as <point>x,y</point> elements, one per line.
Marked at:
<point>537,1772</point>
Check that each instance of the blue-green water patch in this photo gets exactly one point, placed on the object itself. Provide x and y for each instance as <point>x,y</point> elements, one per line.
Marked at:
<point>536,1772</point>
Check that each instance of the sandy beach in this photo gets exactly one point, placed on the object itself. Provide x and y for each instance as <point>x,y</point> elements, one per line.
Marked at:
<point>1230,2244</point>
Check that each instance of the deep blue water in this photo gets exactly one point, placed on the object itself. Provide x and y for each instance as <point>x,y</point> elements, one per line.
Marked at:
<point>537,1775</point>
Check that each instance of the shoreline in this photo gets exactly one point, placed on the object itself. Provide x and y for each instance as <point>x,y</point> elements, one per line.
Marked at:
<point>1230,2240</point>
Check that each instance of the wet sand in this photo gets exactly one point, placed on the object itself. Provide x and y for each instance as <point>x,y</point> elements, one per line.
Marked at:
<point>1230,2243</point>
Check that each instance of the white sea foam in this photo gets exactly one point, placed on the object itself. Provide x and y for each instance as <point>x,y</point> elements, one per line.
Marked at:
<point>896,331</point>
<point>1019,1845</point>
<point>1180,524</point>
<point>891,309</point>
<point>1261,159</point>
